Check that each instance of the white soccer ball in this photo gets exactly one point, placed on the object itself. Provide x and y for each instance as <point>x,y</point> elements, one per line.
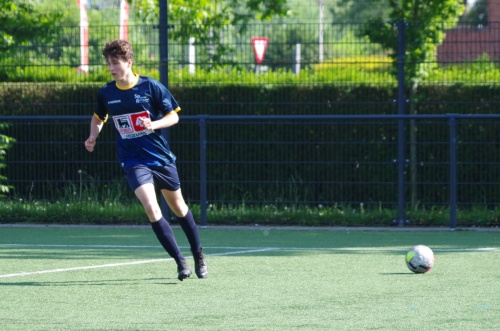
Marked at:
<point>419,259</point>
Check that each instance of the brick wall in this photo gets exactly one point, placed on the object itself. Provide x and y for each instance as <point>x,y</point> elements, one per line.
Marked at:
<point>467,43</point>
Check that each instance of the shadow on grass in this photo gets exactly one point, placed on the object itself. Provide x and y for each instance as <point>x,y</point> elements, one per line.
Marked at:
<point>398,274</point>
<point>101,282</point>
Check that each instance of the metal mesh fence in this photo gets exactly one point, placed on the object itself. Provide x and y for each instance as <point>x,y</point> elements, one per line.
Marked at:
<point>309,161</point>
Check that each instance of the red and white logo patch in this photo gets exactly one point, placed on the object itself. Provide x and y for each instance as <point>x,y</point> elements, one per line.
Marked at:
<point>130,125</point>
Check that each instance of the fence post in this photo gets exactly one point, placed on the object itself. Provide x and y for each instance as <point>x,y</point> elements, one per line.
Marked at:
<point>453,171</point>
<point>163,36</point>
<point>401,123</point>
<point>163,43</point>
<point>203,170</point>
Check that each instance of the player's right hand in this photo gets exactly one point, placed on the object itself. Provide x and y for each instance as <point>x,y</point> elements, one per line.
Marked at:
<point>90,143</point>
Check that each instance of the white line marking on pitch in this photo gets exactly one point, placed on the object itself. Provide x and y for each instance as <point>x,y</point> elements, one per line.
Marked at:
<point>247,250</point>
<point>75,246</point>
<point>123,264</point>
<point>121,246</point>
<point>339,249</point>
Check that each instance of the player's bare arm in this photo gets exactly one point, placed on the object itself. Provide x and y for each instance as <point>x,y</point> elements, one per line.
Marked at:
<point>95,128</point>
<point>168,120</point>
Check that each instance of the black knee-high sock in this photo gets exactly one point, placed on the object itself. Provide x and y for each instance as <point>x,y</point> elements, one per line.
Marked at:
<point>166,237</point>
<point>189,227</point>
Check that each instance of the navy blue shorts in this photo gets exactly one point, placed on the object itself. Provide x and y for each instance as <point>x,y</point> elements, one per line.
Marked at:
<point>162,177</point>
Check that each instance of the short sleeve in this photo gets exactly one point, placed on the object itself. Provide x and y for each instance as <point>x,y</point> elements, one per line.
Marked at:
<point>164,101</point>
<point>101,112</point>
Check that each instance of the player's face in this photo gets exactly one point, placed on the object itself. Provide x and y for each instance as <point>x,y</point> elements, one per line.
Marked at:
<point>119,69</point>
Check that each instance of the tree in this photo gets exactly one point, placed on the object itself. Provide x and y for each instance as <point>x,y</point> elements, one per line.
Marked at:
<point>21,23</point>
<point>201,12</point>
<point>359,10</point>
<point>476,13</point>
<point>5,143</point>
<point>206,19</point>
<point>425,22</point>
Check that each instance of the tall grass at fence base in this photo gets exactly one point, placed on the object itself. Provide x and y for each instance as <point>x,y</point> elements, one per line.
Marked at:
<point>132,213</point>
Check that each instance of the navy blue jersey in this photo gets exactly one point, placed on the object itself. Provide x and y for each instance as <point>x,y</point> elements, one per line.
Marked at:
<point>136,144</point>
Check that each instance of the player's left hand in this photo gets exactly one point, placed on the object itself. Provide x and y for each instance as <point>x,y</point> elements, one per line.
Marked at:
<point>90,143</point>
<point>147,123</point>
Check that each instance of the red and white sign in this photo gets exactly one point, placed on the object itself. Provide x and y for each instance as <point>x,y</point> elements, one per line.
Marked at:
<point>259,45</point>
<point>124,10</point>
<point>84,37</point>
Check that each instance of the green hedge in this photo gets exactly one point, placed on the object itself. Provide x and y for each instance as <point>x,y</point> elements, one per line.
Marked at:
<point>79,99</point>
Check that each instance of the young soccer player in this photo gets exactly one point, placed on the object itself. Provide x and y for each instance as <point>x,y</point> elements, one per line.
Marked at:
<point>139,107</point>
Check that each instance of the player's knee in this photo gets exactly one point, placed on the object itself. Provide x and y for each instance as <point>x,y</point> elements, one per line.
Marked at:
<point>180,210</point>
<point>153,212</point>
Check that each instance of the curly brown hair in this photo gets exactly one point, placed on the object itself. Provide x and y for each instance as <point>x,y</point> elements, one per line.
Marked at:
<point>118,49</point>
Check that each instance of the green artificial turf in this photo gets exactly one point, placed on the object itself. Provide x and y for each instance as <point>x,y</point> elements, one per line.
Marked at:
<point>78,278</point>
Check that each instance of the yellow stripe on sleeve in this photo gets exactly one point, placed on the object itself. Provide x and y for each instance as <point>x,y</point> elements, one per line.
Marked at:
<point>100,119</point>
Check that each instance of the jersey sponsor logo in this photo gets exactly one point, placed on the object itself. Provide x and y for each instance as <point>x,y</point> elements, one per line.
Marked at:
<point>114,101</point>
<point>141,99</point>
<point>130,125</point>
